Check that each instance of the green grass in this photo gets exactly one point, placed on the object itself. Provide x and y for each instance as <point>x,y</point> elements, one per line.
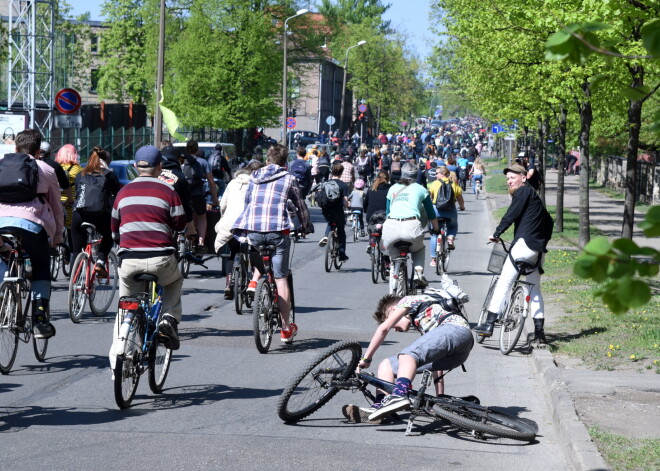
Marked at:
<point>627,454</point>
<point>495,181</point>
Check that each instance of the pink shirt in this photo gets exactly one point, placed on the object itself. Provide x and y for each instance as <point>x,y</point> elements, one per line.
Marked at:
<point>48,214</point>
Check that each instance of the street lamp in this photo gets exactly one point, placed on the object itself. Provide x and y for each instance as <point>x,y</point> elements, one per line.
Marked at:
<point>343,87</point>
<point>286,29</point>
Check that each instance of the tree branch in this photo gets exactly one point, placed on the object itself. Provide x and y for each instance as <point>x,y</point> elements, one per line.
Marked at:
<point>605,52</point>
<point>648,95</point>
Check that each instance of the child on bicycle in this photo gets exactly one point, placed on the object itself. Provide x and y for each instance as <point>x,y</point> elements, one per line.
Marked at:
<point>356,203</point>
<point>445,343</point>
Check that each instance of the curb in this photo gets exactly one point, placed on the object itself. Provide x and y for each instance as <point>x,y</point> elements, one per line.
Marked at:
<point>573,436</point>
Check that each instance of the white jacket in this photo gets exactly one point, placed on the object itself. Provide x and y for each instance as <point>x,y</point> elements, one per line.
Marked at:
<point>231,207</point>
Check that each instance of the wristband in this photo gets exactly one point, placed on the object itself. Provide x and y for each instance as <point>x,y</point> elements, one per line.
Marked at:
<point>366,360</point>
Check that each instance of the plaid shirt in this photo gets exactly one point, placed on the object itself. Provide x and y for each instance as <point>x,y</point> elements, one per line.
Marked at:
<point>266,199</point>
<point>347,175</point>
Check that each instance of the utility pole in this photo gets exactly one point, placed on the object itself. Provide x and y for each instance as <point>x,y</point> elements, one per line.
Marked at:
<point>158,117</point>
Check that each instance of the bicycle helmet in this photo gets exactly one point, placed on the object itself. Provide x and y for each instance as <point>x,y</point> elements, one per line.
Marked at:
<point>359,184</point>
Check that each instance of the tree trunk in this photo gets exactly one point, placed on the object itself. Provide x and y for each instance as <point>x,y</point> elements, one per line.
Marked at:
<point>586,117</point>
<point>634,125</point>
<point>378,122</point>
<point>561,131</point>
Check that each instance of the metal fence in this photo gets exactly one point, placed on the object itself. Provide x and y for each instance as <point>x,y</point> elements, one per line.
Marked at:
<point>121,143</point>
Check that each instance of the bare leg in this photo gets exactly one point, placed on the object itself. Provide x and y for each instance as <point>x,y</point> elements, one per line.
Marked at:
<point>283,301</point>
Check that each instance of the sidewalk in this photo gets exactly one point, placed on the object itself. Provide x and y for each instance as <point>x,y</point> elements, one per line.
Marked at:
<point>620,402</point>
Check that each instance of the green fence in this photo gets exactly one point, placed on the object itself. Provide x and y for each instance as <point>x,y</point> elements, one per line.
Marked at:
<point>121,143</point>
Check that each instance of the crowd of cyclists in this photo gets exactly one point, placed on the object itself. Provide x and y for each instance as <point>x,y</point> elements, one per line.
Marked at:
<point>397,189</point>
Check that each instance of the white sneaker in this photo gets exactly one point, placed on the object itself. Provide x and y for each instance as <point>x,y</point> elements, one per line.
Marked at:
<point>419,277</point>
<point>323,241</point>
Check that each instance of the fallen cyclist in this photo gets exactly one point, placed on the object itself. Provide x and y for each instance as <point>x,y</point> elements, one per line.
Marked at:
<point>445,343</point>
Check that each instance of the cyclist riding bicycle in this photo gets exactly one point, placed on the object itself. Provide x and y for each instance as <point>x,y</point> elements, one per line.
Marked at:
<point>405,222</point>
<point>445,344</point>
<point>449,209</point>
<point>532,231</point>
<point>266,220</point>
<point>356,203</point>
<point>96,186</point>
<point>146,216</point>
<point>32,211</point>
<point>333,210</point>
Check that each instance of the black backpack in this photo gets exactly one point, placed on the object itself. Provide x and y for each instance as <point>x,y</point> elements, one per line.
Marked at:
<point>445,199</point>
<point>193,177</point>
<point>215,162</point>
<point>92,194</point>
<point>298,168</point>
<point>19,178</point>
<point>328,193</point>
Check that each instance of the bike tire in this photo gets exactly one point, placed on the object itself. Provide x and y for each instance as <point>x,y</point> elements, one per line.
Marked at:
<point>184,262</point>
<point>328,255</point>
<point>102,295</point>
<point>160,358</point>
<point>438,258</point>
<point>445,256</point>
<point>383,266</point>
<point>64,253</point>
<point>127,368</point>
<point>77,287</point>
<point>401,285</point>
<point>54,265</point>
<point>9,308</point>
<point>513,321</point>
<point>292,298</point>
<point>479,419</point>
<point>262,312</point>
<point>484,310</point>
<point>356,233</point>
<point>310,389</point>
<point>375,268</point>
<point>238,287</point>
<point>335,253</point>
<point>39,346</point>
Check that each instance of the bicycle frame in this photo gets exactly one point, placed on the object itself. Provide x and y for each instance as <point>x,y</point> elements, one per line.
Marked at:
<point>266,258</point>
<point>16,266</point>
<point>149,305</point>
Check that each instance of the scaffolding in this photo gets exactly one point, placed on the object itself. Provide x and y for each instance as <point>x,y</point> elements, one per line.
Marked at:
<point>30,80</point>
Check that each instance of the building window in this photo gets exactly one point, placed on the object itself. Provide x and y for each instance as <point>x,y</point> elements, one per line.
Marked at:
<point>94,81</point>
<point>94,43</point>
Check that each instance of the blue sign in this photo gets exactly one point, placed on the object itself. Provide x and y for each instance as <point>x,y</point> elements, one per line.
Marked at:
<point>497,128</point>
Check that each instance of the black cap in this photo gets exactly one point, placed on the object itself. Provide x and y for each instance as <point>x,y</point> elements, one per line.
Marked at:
<point>170,153</point>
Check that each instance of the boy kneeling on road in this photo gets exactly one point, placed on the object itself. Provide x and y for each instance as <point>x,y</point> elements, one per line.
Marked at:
<point>445,343</point>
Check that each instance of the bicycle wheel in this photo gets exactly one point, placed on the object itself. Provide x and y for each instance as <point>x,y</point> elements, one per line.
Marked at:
<point>64,253</point>
<point>485,422</point>
<point>184,262</point>
<point>77,287</point>
<point>262,312</point>
<point>335,253</point>
<point>311,388</point>
<point>159,365</point>
<point>383,266</point>
<point>8,319</point>
<point>375,268</point>
<point>438,256</point>
<point>292,299</point>
<point>39,346</point>
<point>401,285</point>
<point>239,286</point>
<point>127,368</point>
<point>484,310</point>
<point>445,256</point>
<point>513,321</point>
<point>54,265</point>
<point>328,254</point>
<point>104,289</point>
<point>356,230</point>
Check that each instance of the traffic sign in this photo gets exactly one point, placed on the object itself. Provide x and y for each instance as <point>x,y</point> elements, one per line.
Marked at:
<point>290,123</point>
<point>497,128</point>
<point>362,108</point>
<point>65,121</point>
<point>68,101</point>
<point>330,120</point>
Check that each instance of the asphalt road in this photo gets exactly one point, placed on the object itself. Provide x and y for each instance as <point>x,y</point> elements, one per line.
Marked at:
<point>218,409</point>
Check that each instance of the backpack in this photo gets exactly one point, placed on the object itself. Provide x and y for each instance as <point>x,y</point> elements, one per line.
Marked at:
<point>396,166</point>
<point>193,178</point>
<point>362,166</point>
<point>215,162</point>
<point>536,179</point>
<point>327,193</point>
<point>298,168</point>
<point>445,200</point>
<point>462,173</point>
<point>19,177</point>
<point>92,195</point>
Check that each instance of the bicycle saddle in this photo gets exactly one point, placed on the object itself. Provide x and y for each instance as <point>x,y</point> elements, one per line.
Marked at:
<point>402,244</point>
<point>525,268</point>
<point>145,277</point>
<point>88,225</point>
<point>440,220</point>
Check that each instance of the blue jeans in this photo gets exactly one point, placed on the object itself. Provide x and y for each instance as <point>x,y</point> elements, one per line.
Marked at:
<point>282,243</point>
<point>474,182</point>
<point>452,228</point>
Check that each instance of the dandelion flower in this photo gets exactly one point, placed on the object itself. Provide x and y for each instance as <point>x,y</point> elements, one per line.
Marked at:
<point>632,357</point>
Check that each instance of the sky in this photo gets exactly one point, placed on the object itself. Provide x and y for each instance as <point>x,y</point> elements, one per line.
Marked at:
<point>408,16</point>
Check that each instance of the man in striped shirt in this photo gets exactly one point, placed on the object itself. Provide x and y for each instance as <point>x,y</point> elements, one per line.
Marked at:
<point>266,220</point>
<point>146,216</point>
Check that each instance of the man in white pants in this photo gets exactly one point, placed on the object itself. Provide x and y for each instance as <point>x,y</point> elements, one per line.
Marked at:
<point>532,231</point>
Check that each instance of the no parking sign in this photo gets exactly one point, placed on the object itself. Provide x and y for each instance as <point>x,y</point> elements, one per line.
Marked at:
<point>68,101</point>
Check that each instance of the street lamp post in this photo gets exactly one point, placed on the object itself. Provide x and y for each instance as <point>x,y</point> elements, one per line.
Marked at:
<point>286,29</point>
<point>343,87</point>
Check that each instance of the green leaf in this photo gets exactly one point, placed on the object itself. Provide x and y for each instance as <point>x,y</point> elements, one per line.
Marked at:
<point>633,293</point>
<point>651,37</point>
<point>599,269</point>
<point>583,266</point>
<point>595,26</point>
<point>647,269</point>
<point>613,302</point>
<point>626,246</point>
<point>619,270</point>
<point>597,80</point>
<point>598,246</point>
<point>559,41</point>
<point>635,94</point>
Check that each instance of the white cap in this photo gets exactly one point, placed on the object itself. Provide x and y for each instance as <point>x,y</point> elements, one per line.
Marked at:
<point>45,146</point>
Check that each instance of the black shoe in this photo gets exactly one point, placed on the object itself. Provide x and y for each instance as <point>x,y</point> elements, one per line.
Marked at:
<point>168,330</point>
<point>539,333</point>
<point>343,257</point>
<point>486,329</point>
<point>41,326</point>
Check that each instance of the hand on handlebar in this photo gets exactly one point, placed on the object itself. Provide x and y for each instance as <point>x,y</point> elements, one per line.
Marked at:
<point>493,239</point>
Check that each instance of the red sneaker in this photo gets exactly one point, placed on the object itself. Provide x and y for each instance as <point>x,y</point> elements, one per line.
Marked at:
<point>252,286</point>
<point>287,336</point>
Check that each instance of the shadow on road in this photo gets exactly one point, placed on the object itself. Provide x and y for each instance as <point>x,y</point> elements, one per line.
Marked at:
<point>63,363</point>
<point>195,333</point>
